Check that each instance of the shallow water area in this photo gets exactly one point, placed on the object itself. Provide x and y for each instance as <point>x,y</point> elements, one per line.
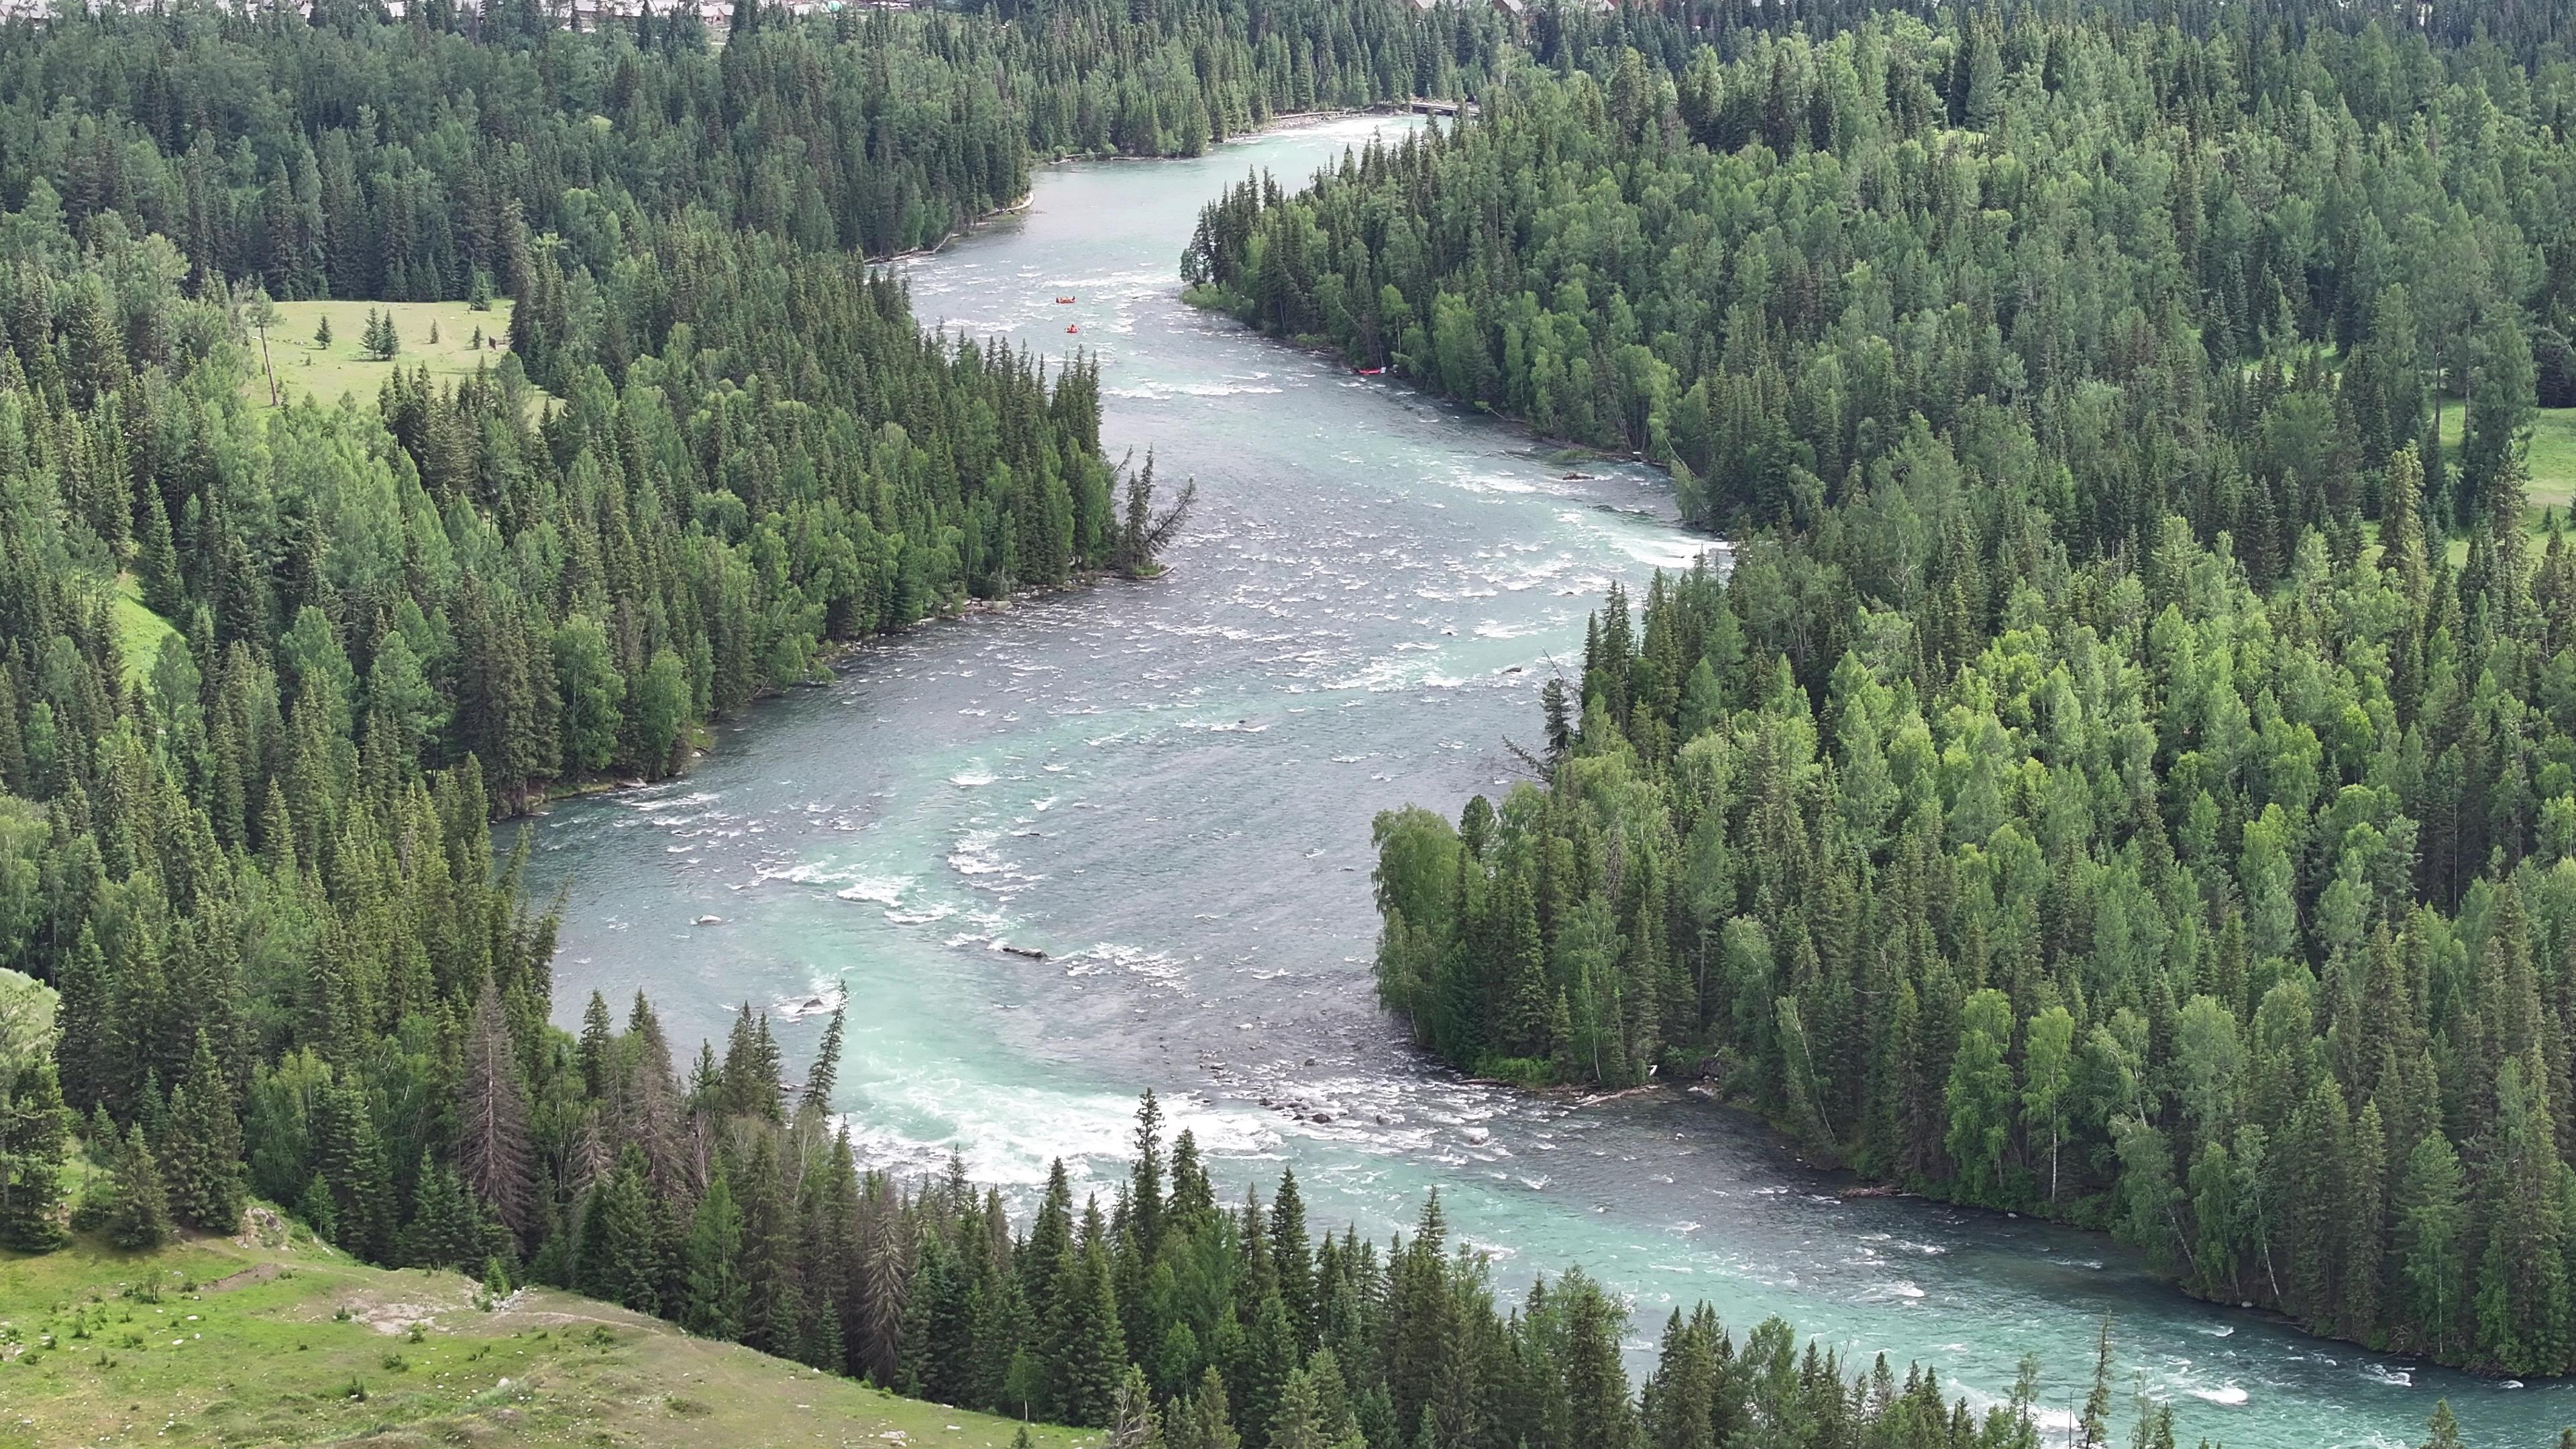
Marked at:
<point>1166,789</point>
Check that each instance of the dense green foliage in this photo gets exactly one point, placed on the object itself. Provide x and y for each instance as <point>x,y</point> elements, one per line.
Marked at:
<point>367,160</point>
<point>265,672</point>
<point>2049,247</point>
<point>2066,802</point>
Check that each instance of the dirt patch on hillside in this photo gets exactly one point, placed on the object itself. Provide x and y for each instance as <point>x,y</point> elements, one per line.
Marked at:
<point>256,1273</point>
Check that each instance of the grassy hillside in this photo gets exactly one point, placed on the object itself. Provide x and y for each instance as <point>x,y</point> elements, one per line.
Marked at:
<point>2553,454</point>
<point>139,631</point>
<point>307,369</point>
<point>285,1342</point>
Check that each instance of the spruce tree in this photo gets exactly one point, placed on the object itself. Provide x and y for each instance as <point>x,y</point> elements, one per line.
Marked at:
<point>619,1258</point>
<point>204,1151</point>
<point>1145,1178</point>
<point>492,1117</point>
<point>715,1289</point>
<point>138,1214</point>
<point>817,1096</point>
<point>1091,1354</point>
<point>597,1041</point>
<point>1133,1424</point>
<point>33,1132</point>
<point>2094,1429</point>
<point>1299,1421</point>
<point>1203,1419</point>
<point>361,1180</point>
<point>1292,1259</point>
<point>318,1210</point>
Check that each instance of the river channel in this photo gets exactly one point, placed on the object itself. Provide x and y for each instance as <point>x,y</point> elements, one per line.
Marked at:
<point>1166,788</point>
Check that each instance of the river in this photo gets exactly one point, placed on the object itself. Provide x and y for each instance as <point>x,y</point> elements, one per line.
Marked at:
<point>1167,789</point>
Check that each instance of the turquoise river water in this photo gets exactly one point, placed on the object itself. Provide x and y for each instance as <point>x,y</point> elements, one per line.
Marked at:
<point>1167,789</point>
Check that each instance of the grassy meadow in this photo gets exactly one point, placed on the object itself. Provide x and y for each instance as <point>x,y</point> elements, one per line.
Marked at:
<point>274,1339</point>
<point>139,631</point>
<point>305,368</point>
<point>2553,454</point>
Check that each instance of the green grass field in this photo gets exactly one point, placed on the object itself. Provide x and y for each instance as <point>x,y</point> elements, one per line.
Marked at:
<point>139,631</point>
<point>2553,466</point>
<point>279,1342</point>
<point>2553,454</point>
<point>306,369</point>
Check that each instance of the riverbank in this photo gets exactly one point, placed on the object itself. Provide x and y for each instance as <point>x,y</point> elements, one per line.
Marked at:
<point>1169,791</point>
<point>834,654</point>
<point>1285,121</point>
<point>1209,297</point>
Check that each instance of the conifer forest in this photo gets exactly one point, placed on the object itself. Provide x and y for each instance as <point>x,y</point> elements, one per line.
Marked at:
<point>2061,703</point>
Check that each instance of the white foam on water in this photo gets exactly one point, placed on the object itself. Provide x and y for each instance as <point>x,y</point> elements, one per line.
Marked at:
<point>1009,1132</point>
<point>802,873</point>
<point>971,778</point>
<point>882,890</point>
<point>2053,1424</point>
<point>974,855</point>
<point>2228,1395</point>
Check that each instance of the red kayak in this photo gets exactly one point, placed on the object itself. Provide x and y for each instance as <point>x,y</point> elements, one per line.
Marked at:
<point>1060,301</point>
<point>1370,371</point>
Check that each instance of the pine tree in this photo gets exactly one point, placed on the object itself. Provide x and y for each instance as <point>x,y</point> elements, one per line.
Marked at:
<point>819,1082</point>
<point>1133,1424</point>
<point>1677,1406</point>
<point>34,1128</point>
<point>2364,1216</point>
<point>445,1231</point>
<point>715,1287</point>
<point>1292,1259</point>
<point>352,1155</point>
<point>2095,1426</point>
<point>1299,1421</point>
<point>492,1118</point>
<point>1145,1179</point>
<point>318,1210</point>
<point>1202,1420</point>
<point>204,1150</point>
<point>597,1041</point>
<point>1091,1354</point>
<point>138,1214</point>
<point>619,1258</point>
<point>2428,1260</point>
<point>750,1085</point>
<point>380,340</point>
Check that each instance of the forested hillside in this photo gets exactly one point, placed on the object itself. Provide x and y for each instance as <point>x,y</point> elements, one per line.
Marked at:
<point>2119,560</point>
<point>363,159</point>
<point>2128,772</point>
<point>2063,252</point>
<point>267,672</point>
